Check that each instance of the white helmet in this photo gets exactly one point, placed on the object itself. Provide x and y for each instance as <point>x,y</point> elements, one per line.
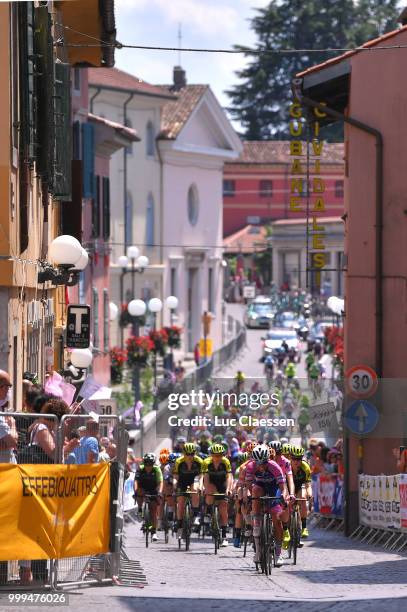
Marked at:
<point>260,453</point>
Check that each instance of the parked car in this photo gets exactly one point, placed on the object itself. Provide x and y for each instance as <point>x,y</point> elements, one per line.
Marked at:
<point>317,333</point>
<point>258,314</point>
<point>276,336</point>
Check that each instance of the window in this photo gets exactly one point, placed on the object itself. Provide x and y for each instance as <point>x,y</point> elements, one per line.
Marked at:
<point>128,221</point>
<point>105,320</point>
<point>77,79</point>
<point>266,189</point>
<point>173,281</point>
<point>88,157</point>
<point>129,148</point>
<point>229,188</point>
<point>339,189</point>
<point>95,310</point>
<point>150,140</point>
<point>150,221</point>
<point>210,290</point>
<point>106,207</point>
<point>193,205</point>
<point>96,209</point>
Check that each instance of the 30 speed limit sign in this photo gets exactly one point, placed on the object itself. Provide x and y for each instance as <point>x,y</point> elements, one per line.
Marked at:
<point>361,381</point>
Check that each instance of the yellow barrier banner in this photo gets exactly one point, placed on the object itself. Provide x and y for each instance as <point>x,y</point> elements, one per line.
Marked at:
<point>53,511</point>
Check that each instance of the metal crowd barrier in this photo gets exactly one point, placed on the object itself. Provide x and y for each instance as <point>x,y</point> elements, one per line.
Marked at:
<point>53,573</point>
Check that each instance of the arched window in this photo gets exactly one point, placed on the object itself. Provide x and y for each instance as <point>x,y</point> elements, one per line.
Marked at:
<point>129,148</point>
<point>128,221</point>
<point>150,220</point>
<point>193,205</point>
<point>150,138</point>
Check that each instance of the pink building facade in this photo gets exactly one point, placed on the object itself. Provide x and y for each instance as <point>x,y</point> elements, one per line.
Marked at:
<point>95,139</point>
<point>370,88</point>
<point>257,187</point>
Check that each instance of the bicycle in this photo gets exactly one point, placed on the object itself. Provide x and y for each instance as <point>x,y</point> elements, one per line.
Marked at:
<point>165,522</point>
<point>267,540</point>
<point>295,530</point>
<point>147,522</point>
<point>215,526</point>
<point>187,519</point>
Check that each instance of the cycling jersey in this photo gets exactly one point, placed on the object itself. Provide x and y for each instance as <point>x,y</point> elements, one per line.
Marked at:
<point>314,371</point>
<point>284,464</point>
<point>168,473</point>
<point>272,474</point>
<point>148,481</point>
<point>302,477</point>
<point>217,475</point>
<point>186,475</point>
<point>290,370</point>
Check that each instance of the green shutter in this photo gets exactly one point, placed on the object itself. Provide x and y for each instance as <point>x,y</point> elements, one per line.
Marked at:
<point>61,184</point>
<point>88,158</point>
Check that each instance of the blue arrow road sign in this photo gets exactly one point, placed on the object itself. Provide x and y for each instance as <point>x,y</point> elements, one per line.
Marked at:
<point>361,417</point>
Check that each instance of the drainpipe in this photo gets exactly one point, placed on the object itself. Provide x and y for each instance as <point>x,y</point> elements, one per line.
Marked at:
<point>95,95</point>
<point>297,91</point>
<point>126,102</point>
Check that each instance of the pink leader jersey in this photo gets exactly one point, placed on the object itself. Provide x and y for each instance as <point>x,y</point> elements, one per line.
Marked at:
<point>285,465</point>
<point>272,474</point>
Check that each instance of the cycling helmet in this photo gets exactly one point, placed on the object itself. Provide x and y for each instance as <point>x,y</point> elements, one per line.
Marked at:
<point>286,448</point>
<point>217,449</point>
<point>181,440</point>
<point>261,453</point>
<point>173,457</point>
<point>164,454</point>
<point>242,457</point>
<point>189,448</point>
<point>275,445</point>
<point>149,459</point>
<point>164,451</point>
<point>297,452</point>
<point>249,446</point>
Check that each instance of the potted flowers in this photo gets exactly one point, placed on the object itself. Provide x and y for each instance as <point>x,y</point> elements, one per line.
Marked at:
<point>159,338</point>
<point>118,358</point>
<point>174,336</point>
<point>138,350</point>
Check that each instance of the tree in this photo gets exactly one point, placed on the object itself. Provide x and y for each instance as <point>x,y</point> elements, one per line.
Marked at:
<point>260,101</point>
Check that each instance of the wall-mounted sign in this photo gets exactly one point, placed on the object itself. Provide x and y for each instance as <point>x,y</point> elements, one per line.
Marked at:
<point>78,326</point>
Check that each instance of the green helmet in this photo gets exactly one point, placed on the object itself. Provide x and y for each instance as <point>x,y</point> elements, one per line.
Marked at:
<point>286,448</point>
<point>217,449</point>
<point>297,452</point>
<point>189,448</point>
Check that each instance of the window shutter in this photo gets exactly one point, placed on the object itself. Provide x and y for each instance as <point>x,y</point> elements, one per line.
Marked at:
<point>95,300</point>
<point>106,208</point>
<point>76,140</point>
<point>61,183</point>
<point>72,211</point>
<point>96,208</point>
<point>105,320</point>
<point>88,158</point>
<point>150,221</point>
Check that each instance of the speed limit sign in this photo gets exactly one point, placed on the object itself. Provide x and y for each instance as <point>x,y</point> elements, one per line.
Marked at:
<point>361,381</point>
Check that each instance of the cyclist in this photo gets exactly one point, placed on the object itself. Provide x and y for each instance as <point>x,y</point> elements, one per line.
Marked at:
<point>179,444</point>
<point>168,488</point>
<point>218,479</point>
<point>309,360</point>
<point>280,379</point>
<point>204,442</point>
<point>241,460</point>
<point>302,480</point>
<point>163,457</point>
<point>148,480</point>
<point>239,380</point>
<point>269,368</point>
<point>314,373</point>
<point>285,465</point>
<point>187,473</point>
<point>265,477</point>
<point>290,371</point>
<point>286,450</point>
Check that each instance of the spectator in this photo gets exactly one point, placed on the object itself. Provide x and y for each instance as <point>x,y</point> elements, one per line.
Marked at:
<point>8,431</point>
<point>104,456</point>
<point>40,401</point>
<point>402,460</point>
<point>179,372</point>
<point>31,395</point>
<point>43,432</point>
<point>73,439</point>
<point>112,451</point>
<point>88,449</point>
<point>197,355</point>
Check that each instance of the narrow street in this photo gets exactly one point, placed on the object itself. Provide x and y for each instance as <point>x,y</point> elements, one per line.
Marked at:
<point>333,573</point>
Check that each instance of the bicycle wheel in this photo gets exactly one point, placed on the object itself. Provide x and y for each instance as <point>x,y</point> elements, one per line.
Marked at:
<point>267,554</point>
<point>187,524</point>
<point>165,524</point>
<point>297,535</point>
<point>147,522</point>
<point>215,528</point>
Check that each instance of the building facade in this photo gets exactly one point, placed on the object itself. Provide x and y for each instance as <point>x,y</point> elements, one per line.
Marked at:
<point>375,234</point>
<point>257,188</point>
<point>35,171</point>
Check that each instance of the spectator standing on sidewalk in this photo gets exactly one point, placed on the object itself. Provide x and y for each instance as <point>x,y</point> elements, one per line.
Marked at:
<point>88,449</point>
<point>197,355</point>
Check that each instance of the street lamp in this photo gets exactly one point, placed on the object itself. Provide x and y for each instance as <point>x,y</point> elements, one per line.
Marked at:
<point>155,306</point>
<point>138,264</point>
<point>67,253</point>
<point>172,304</point>
<point>80,360</point>
<point>136,308</point>
<point>113,311</point>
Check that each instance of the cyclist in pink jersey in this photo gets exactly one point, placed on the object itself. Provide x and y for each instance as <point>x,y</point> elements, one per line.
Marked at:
<point>285,465</point>
<point>265,478</point>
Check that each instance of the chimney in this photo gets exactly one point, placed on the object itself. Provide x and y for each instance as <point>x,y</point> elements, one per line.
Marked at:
<point>180,79</point>
<point>402,18</point>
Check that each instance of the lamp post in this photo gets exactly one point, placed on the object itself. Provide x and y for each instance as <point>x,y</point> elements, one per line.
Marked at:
<point>138,264</point>
<point>155,306</point>
<point>172,304</point>
<point>67,253</point>
<point>136,308</point>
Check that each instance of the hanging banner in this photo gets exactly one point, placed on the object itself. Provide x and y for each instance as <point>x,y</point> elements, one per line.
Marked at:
<point>327,491</point>
<point>53,511</point>
<point>403,501</point>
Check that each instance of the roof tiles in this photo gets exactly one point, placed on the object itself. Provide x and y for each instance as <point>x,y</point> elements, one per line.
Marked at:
<point>278,152</point>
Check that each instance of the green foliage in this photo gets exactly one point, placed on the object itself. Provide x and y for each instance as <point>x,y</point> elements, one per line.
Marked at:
<point>125,398</point>
<point>146,388</point>
<point>261,100</point>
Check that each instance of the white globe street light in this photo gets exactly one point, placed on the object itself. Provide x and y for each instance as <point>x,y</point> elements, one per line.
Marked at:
<point>137,308</point>
<point>65,250</point>
<point>113,311</point>
<point>155,305</point>
<point>81,358</point>
<point>133,252</point>
<point>172,302</point>
<point>123,261</point>
<point>83,260</point>
<point>337,305</point>
<point>142,262</point>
